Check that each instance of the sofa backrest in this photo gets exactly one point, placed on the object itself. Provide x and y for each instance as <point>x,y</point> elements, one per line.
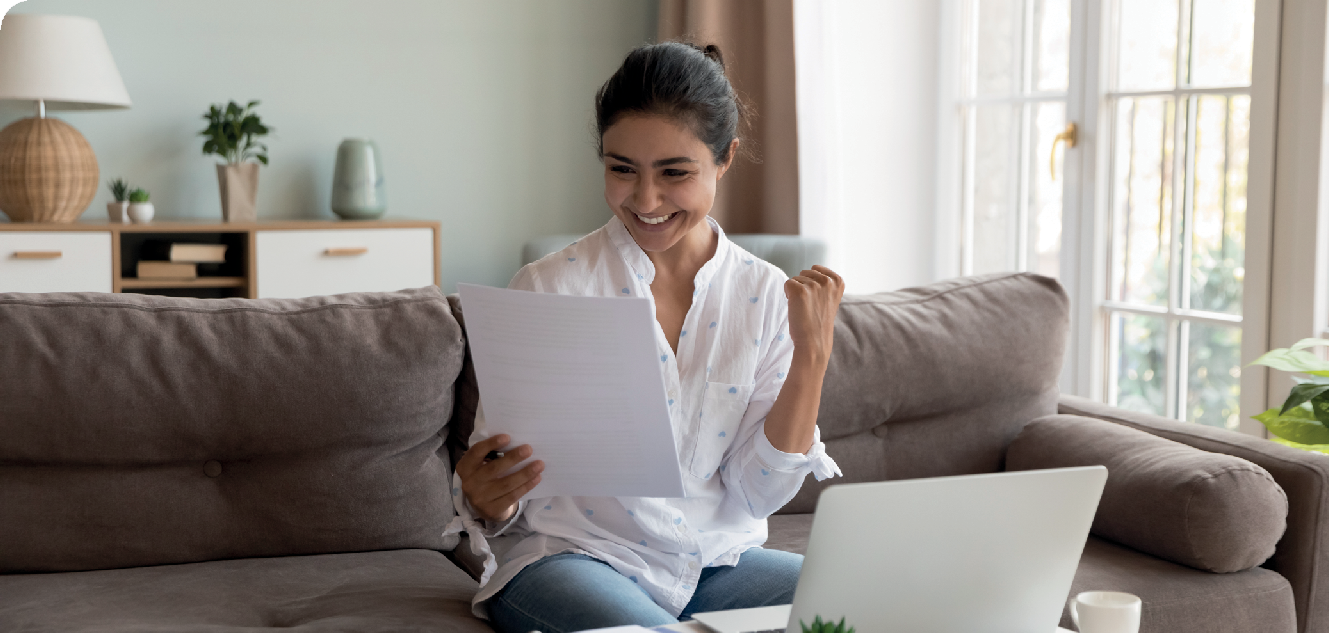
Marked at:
<point>937,380</point>
<point>143,430</point>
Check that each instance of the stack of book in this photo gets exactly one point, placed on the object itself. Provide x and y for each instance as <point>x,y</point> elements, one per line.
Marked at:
<point>160,259</point>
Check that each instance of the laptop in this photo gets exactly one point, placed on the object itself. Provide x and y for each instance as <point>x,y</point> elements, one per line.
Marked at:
<point>976,553</point>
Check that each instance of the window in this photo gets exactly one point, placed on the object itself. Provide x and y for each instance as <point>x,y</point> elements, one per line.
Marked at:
<point>1180,110</point>
<point>1145,223</point>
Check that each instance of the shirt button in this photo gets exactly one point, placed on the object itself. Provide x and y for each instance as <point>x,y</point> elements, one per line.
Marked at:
<point>692,565</point>
<point>673,394</point>
<point>682,528</point>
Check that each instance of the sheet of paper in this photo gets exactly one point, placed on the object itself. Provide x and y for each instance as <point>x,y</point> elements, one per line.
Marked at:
<point>577,378</point>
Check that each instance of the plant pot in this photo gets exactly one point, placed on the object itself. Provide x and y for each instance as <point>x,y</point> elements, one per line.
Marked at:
<point>357,181</point>
<point>239,191</point>
<point>141,212</point>
<point>118,212</point>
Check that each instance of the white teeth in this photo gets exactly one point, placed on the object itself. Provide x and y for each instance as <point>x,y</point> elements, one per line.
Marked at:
<point>654,220</point>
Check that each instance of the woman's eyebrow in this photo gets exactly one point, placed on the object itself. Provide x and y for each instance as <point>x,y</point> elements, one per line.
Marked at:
<point>672,161</point>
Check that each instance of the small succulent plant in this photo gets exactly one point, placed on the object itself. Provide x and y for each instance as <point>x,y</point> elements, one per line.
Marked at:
<point>818,626</point>
<point>138,195</point>
<point>119,189</point>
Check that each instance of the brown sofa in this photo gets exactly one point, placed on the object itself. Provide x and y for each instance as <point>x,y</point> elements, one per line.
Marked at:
<point>225,465</point>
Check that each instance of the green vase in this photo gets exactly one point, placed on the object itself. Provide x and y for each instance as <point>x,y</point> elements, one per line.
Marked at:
<point>357,182</point>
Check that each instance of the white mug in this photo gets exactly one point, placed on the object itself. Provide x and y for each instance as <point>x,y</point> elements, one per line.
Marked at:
<point>1106,612</point>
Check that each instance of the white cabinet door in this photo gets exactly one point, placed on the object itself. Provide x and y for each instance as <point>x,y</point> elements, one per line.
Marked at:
<point>55,261</point>
<point>336,261</point>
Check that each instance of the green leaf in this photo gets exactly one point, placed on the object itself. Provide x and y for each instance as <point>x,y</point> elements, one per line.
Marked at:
<point>1298,425</point>
<point>1294,360</point>
<point>1310,342</point>
<point>1302,393</point>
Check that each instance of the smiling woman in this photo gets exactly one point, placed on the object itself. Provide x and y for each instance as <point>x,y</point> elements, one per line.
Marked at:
<point>743,350</point>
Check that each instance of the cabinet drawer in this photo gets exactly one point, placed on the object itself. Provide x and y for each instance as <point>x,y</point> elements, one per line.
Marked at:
<point>55,261</point>
<point>335,261</point>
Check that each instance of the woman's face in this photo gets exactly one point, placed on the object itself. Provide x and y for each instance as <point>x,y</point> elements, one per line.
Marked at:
<point>659,179</point>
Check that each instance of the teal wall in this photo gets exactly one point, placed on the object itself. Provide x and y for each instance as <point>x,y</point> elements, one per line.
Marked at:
<point>483,109</point>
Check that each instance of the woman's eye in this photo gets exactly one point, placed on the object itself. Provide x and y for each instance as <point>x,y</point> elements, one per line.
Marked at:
<point>620,169</point>
<point>675,173</point>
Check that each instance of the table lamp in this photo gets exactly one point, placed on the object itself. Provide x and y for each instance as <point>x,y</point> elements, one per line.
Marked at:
<point>48,171</point>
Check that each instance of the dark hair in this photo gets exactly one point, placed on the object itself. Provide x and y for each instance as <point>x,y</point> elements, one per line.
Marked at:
<point>679,81</point>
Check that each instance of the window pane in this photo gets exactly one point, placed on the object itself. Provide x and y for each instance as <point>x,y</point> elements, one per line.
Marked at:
<point>1222,39</point>
<point>1044,193</point>
<point>1213,388</point>
<point>1142,199</point>
<point>996,174</point>
<point>1218,244</point>
<point>998,47</point>
<point>1052,20</point>
<point>1139,346</point>
<point>1147,41</point>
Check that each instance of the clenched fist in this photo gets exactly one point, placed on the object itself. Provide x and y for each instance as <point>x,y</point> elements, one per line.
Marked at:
<point>814,298</point>
<point>493,496</point>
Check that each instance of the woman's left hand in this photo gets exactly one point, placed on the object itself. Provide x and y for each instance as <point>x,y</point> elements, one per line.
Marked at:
<point>814,298</point>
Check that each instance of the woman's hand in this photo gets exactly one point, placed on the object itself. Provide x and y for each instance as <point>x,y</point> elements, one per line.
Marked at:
<point>814,298</point>
<point>492,496</point>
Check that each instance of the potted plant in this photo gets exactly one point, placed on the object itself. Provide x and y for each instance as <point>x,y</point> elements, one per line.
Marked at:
<point>118,210</point>
<point>1303,420</point>
<point>824,627</point>
<point>140,209</point>
<point>231,134</point>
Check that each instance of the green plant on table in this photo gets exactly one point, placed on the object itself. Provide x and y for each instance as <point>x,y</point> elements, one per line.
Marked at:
<point>119,189</point>
<point>231,132</point>
<point>1303,420</point>
<point>139,195</point>
<point>818,626</point>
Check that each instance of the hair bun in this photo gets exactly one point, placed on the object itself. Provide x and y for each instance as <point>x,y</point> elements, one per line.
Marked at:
<point>713,53</point>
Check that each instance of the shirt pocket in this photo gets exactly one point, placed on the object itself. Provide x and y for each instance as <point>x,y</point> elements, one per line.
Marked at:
<point>722,409</point>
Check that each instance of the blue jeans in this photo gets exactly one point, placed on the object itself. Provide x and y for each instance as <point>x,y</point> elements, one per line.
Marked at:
<point>574,592</point>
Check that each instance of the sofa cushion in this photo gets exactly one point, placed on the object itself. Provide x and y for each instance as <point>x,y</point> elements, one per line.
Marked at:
<point>937,380</point>
<point>402,590</point>
<point>1209,511</point>
<point>1180,599</point>
<point>143,430</point>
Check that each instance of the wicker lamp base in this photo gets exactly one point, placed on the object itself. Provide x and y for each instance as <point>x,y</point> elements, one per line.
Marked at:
<point>48,171</point>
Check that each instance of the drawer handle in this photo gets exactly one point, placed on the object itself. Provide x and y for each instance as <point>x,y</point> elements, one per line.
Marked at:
<point>345,251</point>
<point>38,254</point>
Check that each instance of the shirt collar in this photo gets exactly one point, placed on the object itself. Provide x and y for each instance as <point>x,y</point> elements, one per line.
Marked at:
<point>641,265</point>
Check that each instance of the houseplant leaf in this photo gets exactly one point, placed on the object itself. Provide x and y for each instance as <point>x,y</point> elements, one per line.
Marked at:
<point>1297,425</point>
<point>1310,342</point>
<point>1294,360</point>
<point>1302,393</point>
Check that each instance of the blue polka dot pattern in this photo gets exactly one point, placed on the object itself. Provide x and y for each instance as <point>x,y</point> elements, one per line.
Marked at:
<point>722,433</point>
<point>683,333</point>
<point>549,507</point>
<point>756,341</point>
<point>748,261</point>
<point>572,259</point>
<point>712,323</point>
<point>631,513</point>
<point>779,374</point>
<point>752,299</point>
<point>671,403</point>
<point>456,491</point>
<point>765,472</point>
<point>625,291</point>
<point>733,390</point>
<point>780,337</point>
<point>664,358</point>
<point>678,520</point>
<point>643,544</point>
<point>590,512</point>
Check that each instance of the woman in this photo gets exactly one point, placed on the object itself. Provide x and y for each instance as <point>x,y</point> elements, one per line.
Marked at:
<point>743,350</point>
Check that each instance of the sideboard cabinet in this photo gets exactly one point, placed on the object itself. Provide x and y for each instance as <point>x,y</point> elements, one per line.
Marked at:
<point>263,259</point>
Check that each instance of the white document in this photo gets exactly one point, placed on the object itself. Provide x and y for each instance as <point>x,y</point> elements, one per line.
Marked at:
<point>577,378</point>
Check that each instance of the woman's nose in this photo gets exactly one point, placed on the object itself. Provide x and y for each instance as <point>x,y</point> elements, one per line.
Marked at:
<point>647,197</point>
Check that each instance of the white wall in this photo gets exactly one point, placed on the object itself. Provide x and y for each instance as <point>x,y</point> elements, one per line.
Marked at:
<point>867,90</point>
<point>482,109</point>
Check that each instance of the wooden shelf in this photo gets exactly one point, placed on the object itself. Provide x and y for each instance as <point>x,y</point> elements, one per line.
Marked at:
<point>201,282</point>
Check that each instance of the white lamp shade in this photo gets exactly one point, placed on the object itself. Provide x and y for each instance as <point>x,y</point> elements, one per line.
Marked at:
<point>61,59</point>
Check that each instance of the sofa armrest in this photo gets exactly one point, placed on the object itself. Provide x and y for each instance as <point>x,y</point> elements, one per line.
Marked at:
<point>1302,556</point>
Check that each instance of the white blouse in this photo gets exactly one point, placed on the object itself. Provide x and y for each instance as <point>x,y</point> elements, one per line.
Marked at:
<point>733,353</point>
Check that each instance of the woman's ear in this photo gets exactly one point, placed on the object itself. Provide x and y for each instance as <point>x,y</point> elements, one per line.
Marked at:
<point>724,167</point>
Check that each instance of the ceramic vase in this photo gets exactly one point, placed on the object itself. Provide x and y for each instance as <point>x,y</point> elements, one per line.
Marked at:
<point>357,181</point>
<point>239,191</point>
<point>118,212</point>
<point>141,212</point>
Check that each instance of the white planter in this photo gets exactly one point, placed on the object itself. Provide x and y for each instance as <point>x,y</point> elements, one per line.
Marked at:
<point>118,212</point>
<point>141,212</point>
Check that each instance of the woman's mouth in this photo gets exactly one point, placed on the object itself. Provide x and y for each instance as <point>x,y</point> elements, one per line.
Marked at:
<point>655,221</point>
